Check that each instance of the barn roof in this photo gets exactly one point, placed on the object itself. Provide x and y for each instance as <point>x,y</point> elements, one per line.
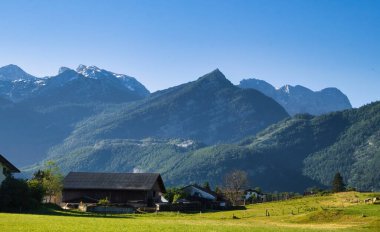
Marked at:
<point>5,162</point>
<point>202,189</point>
<point>112,181</point>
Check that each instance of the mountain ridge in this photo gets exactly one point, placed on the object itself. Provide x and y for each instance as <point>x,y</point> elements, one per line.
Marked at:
<point>17,85</point>
<point>299,99</point>
<point>294,154</point>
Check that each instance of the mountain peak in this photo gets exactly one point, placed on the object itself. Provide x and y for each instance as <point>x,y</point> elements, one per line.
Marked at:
<point>214,76</point>
<point>260,85</point>
<point>89,71</point>
<point>98,73</point>
<point>299,99</point>
<point>13,72</point>
<point>63,69</point>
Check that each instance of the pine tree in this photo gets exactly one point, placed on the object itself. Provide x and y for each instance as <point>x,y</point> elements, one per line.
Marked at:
<point>338,184</point>
<point>206,185</point>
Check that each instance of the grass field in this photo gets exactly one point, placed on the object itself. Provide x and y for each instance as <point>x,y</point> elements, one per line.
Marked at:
<point>337,212</point>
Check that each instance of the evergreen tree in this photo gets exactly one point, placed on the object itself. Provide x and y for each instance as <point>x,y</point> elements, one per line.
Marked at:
<point>206,185</point>
<point>338,184</point>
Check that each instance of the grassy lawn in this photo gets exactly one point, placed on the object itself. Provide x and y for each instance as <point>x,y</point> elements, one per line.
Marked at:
<point>337,212</point>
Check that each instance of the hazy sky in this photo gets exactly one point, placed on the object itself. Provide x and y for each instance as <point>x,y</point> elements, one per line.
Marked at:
<point>317,43</point>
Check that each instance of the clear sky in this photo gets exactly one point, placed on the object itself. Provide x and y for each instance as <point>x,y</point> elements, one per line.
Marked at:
<point>315,43</point>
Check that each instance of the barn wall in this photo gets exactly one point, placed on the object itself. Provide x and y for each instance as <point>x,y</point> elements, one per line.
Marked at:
<point>114,196</point>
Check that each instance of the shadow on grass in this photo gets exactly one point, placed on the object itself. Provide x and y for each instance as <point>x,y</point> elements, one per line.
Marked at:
<point>54,210</point>
<point>236,208</point>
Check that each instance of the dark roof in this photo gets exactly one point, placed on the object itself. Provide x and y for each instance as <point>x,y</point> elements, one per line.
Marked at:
<point>201,188</point>
<point>11,167</point>
<point>113,181</point>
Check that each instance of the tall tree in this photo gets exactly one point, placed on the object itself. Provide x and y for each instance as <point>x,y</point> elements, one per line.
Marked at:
<point>234,184</point>
<point>50,178</point>
<point>338,184</point>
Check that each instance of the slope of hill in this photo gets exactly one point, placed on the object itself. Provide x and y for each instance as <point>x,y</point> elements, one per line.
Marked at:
<point>291,155</point>
<point>210,110</point>
<point>298,99</point>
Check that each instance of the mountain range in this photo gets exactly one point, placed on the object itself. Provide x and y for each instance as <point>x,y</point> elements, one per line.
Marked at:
<point>291,155</point>
<point>95,84</point>
<point>95,102</point>
<point>90,119</point>
<point>299,99</point>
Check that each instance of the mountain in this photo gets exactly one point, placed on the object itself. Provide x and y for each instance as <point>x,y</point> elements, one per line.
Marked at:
<point>16,84</point>
<point>86,81</point>
<point>210,109</point>
<point>291,155</point>
<point>298,99</point>
<point>72,87</point>
<point>13,73</point>
<point>41,112</point>
<point>129,82</point>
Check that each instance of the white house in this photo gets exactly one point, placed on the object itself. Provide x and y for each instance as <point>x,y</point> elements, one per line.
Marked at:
<point>6,168</point>
<point>255,194</point>
<point>199,192</point>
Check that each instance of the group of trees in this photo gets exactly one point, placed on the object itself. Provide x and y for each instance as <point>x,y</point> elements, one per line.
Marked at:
<point>20,195</point>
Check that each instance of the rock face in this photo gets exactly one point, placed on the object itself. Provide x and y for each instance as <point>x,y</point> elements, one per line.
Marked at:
<point>298,99</point>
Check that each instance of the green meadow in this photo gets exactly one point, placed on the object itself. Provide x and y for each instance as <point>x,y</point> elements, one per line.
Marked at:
<point>336,212</point>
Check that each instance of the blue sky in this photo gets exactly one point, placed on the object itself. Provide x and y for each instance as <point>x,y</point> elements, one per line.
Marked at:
<point>317,44</point>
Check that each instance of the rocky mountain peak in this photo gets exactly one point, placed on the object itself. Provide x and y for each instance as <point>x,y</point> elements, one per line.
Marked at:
<point>299,99</point>
<point>13,72</point>
<point>215,78</point>
<point>63,69</point>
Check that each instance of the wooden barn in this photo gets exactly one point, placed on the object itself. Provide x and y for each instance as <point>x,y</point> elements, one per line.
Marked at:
<point>128,189</point>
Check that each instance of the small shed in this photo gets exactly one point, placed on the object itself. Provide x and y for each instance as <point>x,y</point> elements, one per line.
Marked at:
<point>130,189</point>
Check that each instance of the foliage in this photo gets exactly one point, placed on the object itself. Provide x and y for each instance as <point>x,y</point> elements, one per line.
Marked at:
<point>206,185</point>
<point>47,181</point>
<point>234,184</point>
<point>17,196</point>
<point>337,183</point>
<point>37,190</point>
<point>178,196</point>
<point>104,202</point>
<point>174,194</point>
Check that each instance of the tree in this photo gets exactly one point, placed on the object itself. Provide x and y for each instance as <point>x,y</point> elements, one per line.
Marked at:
<point>174,194</point>
<point>49,179</point>
<point>338,184</point>
<point>15,195</point>
<point>37,191</point>
<point>206,185</point>
<point>258,189</point>
<point>234,184</point>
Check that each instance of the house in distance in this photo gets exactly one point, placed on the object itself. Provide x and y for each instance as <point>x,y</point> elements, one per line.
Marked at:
<point>124,189</point>
<point>199,192</point>
<point>6,168</point>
